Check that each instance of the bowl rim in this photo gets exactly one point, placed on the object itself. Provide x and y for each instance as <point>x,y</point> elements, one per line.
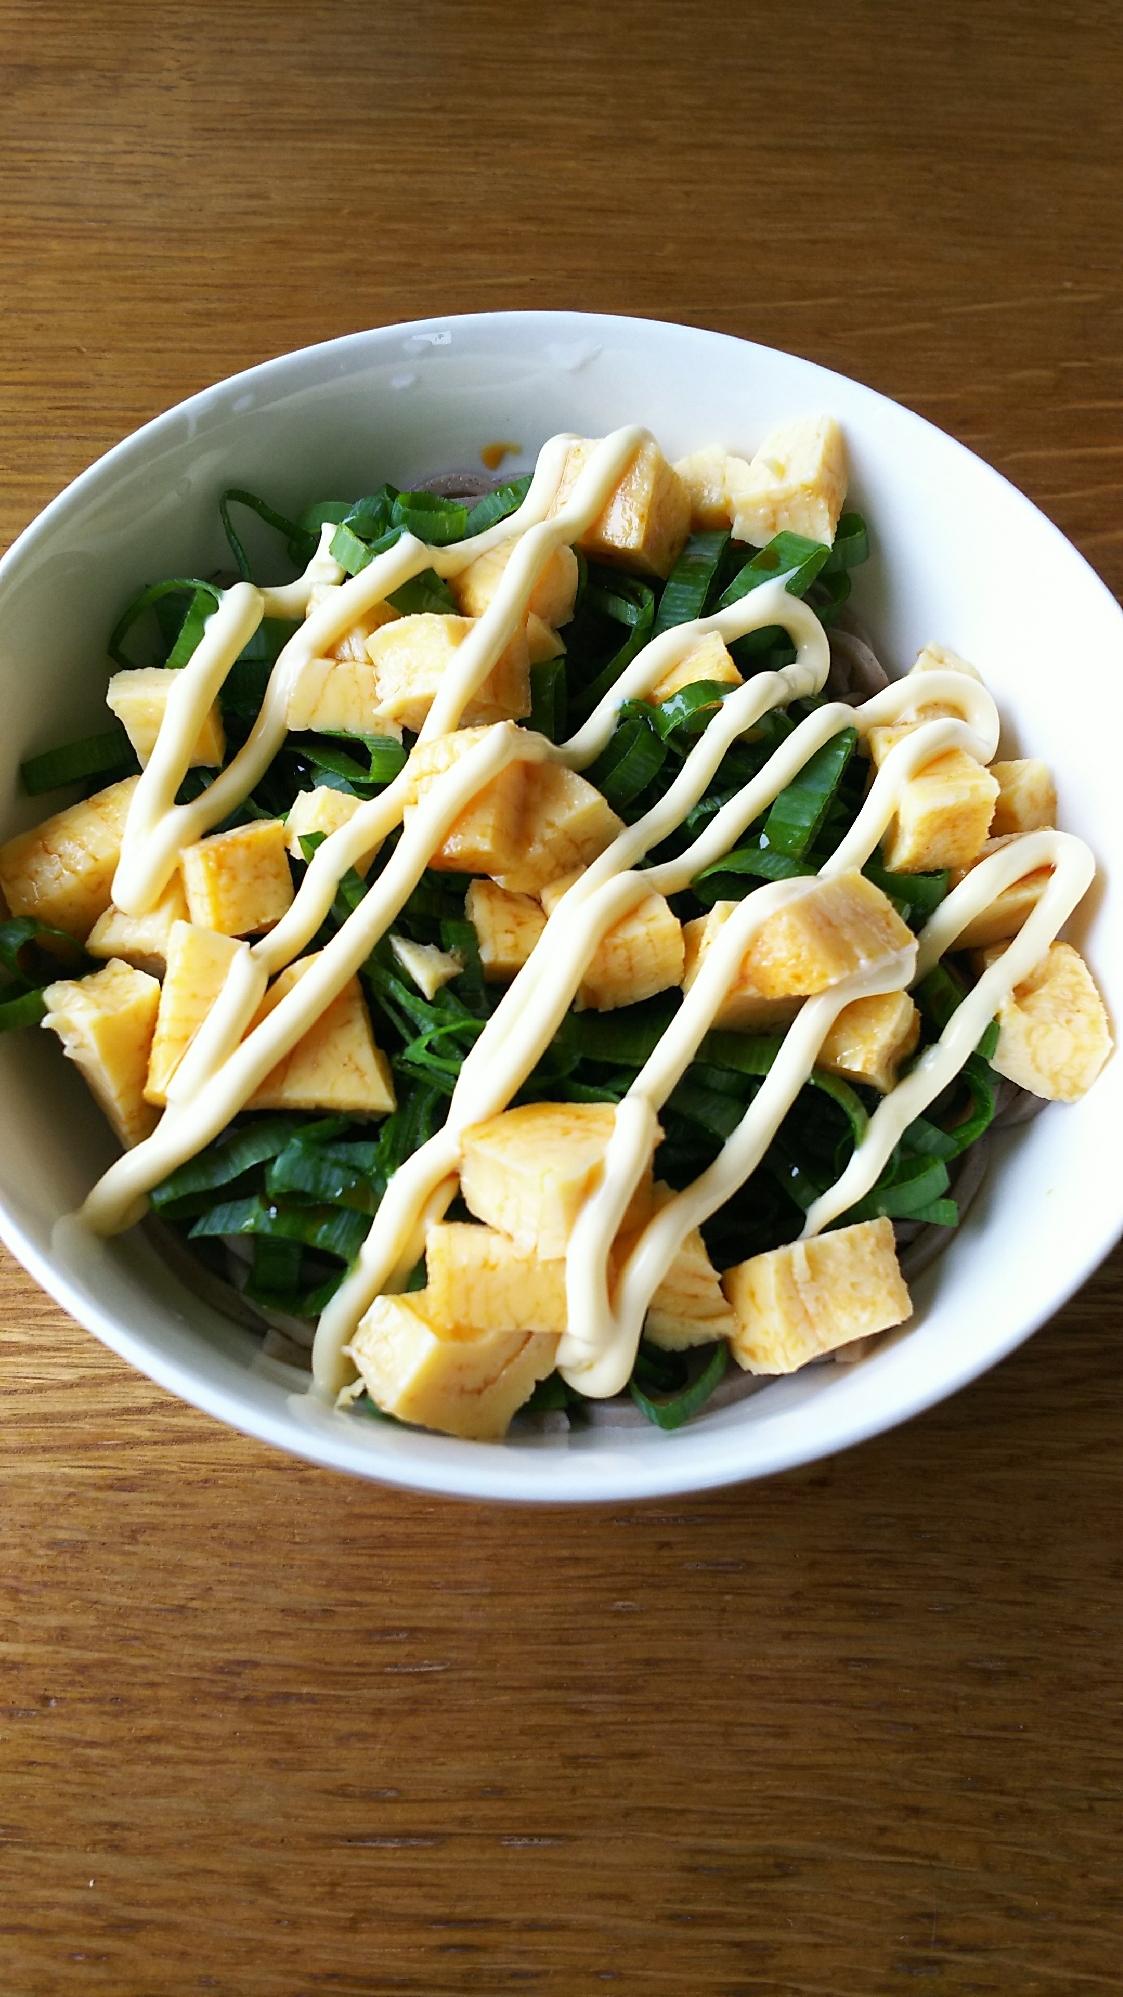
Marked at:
<point>650,1475</point>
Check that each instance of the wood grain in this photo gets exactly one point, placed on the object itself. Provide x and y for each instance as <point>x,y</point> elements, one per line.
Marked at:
<point>267,1731</point>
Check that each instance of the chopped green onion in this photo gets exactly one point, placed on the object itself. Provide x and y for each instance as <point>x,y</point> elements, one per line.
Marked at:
<point>146,600</point>
<point>268,641</point>
<point>332,762</point>
<point>851,544</point>
<point>235,1152</point>
<point>915,896</point>
<point>422,1023</point>
<point>329,1172</point>
<point>94,756</point>
<point>386,754</point>
<point>350,888</point>
<point>714,1112</point>
<point>610,1091</point>
<point>847,1098</point>
<point>628,1037</point>
<point>276,1269</point>
<point>370,519</point>
<point>272,635</point>
<point>670,1411</point>
<point>385,758</point>
<point>688,585</point>
<point>744,1053</point>
<point>758,862</point>
<point>766,651</point>
<point>800,808</point>
<point>551,1393</point>
<point>623,598</point>
<point>691,708</point>
<point>413,1124</point>
<point>828,594</point>
<point>334,1231</point>
<point>929,1141</point>
<point>548,705</point>
<point>801,1184</point>
<point>349,551</point>
<point>471,986</point>
<point>908,1184</point>
<point>365,1406</point>
<point>754,1054</point>
<point>497,505</point>
<point>435,898</point>
<point>191,630</point>
<point>988,1043</point>
<point>633,756</point>
<point>978,1078</point>
<point>427,592</point>
<point>939,994</point>
<point>301,543</point>
<point>626,602</point>
<point>30,950</point>
<point>22,1011</point>
<point>938,1213</point>
<point>351,548</point>
<point>324,511</point>
<point>790,556</point>
<point>245,686</point>
<point>437,521</point>
<point>348,894</point>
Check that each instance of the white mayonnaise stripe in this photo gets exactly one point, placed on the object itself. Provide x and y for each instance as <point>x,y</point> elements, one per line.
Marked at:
<point>990,878</point>
<point>524,1024</point>
<point>517,1036</point>
<point>726,827</point>
<point>156,829</point>
<point>1074,870</point>
<point>930,739</point>
<point>770,604</point>
<point>185,1129</point>
<point>477,655</point>
<point>785,763</point>
<point>599,1344</point>
<point>734,1165</point>
<point>291,599</point>
<point>898,701</point>
<point>366,830</point>
<point>739,712</point>
<point>413,1191</point>
<point>222,1030</point>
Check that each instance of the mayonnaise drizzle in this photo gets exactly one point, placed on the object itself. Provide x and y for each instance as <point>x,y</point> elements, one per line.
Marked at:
<point>225,1063</point>
<point>1073,871</point>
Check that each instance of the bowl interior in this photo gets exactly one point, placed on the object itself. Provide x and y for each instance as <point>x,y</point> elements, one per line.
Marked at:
<point>958,556</point>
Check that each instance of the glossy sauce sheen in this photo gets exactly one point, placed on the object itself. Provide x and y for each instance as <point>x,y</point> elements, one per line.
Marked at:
<point>222,1068</point>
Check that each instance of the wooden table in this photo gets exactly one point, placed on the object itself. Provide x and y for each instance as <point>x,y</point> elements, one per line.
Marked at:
<point>268,1731</point>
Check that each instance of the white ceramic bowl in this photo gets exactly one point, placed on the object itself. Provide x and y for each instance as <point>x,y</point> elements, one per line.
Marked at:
<point>960,556</point>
